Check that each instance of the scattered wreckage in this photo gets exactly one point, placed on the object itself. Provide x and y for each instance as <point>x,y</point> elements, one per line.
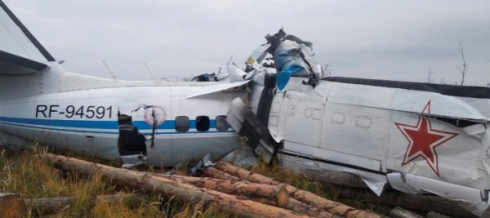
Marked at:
<point>415,137</point>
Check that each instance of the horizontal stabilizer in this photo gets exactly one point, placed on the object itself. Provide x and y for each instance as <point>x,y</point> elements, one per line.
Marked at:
<point>217,88</point>
<point>11,64</point>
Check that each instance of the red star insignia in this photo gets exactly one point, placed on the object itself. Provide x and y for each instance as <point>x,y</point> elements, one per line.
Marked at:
<point>423,140</point>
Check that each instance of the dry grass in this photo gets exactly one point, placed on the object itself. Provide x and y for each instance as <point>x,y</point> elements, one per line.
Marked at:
<point>26,172</point>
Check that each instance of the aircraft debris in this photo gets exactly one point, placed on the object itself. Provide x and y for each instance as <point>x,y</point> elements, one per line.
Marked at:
<point>416,137</point>
<point>433,214</point>
<point>399,212</point>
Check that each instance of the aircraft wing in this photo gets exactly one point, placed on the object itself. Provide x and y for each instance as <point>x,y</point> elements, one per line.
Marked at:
<point>217,88</point>
<point>11,64</point>
<point>20,52</point>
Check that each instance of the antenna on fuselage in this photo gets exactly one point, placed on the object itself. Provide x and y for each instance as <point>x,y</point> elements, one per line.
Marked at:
<point>109,69</point>
<point>231,58</point>
<point>151,73</point>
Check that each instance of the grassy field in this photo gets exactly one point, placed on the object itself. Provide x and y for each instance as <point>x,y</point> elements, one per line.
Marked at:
<point>25,172</point>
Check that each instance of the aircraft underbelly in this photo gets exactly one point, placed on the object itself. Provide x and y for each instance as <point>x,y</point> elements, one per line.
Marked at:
<point>170,150</point>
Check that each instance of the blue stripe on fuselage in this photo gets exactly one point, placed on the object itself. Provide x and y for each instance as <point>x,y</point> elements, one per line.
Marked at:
<point>97,124</point>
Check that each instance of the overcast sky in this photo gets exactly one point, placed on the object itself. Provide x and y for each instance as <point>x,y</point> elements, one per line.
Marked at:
<point>398,40</point>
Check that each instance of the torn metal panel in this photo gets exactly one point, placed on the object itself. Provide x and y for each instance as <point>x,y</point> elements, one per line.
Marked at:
<point>133,160</point>
<point>468,198</point>
<point>243,156</point>
<point>258,54</point>
<point>293,57</point>
<point>375,185</point>
<point>244,121</point>
<point>235,74</point>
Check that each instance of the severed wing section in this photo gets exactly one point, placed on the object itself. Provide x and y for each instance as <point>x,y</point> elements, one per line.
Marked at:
<point>20,52</point>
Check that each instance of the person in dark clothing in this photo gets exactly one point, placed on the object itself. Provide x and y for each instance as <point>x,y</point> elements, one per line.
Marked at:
<point>130,141</point>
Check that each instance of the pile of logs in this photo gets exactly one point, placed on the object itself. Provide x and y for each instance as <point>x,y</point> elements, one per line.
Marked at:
<point>244,194</point>
<point>236,191</point>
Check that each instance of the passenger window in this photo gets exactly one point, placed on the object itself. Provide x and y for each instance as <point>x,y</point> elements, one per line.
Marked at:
<point>202,123</point>
<point>221,124</point>
<point>182,124</point>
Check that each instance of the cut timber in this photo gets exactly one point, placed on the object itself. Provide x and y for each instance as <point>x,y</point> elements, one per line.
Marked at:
<point>273,192</point>
<point>336,208</point>
<point>300,207</point>
<point>335,178</point>
<point>12,206</point>
<point>213,172</point>
<point>423,203</point>
<point>399,212</point>
<point>185,192</point>
<point>44,206</point>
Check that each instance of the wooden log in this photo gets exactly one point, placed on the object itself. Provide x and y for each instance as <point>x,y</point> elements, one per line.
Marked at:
<point>12,206</point>
<point>399,212</point>
<point>433,214</point>
<point>213,172</point>
<point>45,206</point>
<point>300,207</point>
<point>277,193</point>
<point>303,208</point>
<point>422,203</point>
<point>330,206</point>
<point>185,192</point>
<point>335,178</point>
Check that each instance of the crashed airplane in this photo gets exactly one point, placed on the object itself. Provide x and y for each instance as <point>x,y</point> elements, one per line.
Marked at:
<point>416,137</point>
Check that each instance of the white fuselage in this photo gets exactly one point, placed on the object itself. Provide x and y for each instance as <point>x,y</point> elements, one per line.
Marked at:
<point>87,120</point>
